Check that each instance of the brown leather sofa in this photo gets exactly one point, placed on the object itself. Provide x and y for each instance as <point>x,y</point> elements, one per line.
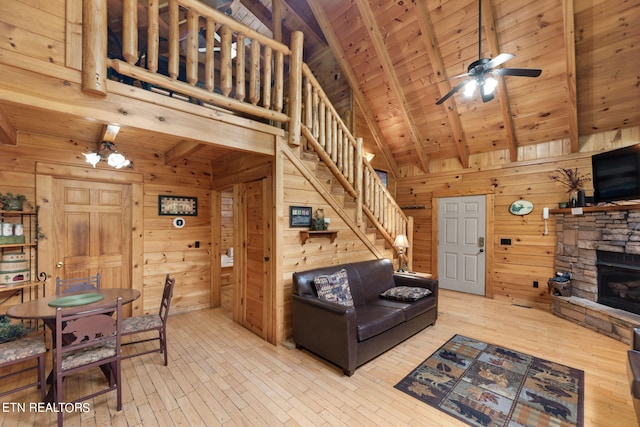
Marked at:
<point>351,336</point>
<point>633,370</point>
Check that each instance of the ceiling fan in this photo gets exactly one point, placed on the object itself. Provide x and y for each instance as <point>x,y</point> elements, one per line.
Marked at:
<point>480,71</point>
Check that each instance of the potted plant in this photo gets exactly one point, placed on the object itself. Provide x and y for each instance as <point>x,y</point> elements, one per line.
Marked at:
<point>11,202</point>
<point>573,180</point>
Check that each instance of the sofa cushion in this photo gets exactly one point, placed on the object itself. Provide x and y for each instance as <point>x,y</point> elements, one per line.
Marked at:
<point>373,319</point>
<point>405,293</point>
<point>334,288</point>
<point>411,309</point>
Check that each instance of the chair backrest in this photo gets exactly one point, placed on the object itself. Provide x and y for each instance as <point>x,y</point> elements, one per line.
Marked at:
<point>77,284</point>
<point>78,328</point>
<point>167,294</point>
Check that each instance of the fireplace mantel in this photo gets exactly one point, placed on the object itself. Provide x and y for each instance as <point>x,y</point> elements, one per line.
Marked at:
<point>607,208</point>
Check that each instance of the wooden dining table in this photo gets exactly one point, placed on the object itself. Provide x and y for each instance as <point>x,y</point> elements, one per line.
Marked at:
<point>39,309</point>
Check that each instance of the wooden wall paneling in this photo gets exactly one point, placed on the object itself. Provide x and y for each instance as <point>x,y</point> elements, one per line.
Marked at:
<point>44,41</point>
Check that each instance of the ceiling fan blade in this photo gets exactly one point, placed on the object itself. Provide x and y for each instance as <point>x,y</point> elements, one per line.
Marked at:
<point>452,91</point>
<point>521,72</point>
<point>456,77</point>
<point>500,59</point>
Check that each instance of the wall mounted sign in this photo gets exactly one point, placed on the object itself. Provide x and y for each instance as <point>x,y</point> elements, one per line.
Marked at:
<point>521,207</point>
<point>177,205</point>
<point>299,216</point>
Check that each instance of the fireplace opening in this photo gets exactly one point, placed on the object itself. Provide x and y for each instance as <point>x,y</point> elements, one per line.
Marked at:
<point>619,280</point>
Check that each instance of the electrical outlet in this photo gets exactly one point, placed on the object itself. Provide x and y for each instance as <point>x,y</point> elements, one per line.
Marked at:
<point>535,283</point>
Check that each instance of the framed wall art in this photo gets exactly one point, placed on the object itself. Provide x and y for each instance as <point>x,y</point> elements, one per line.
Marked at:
<point>300,216</point>
<point>177,205</point>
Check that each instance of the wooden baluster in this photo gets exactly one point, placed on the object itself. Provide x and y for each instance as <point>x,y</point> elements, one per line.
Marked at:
<point>358,180</point>
<point>307,103</point>
<point>191,46</point>
<point>339,149</point>
<point>315,120</point>
<point>328,130</point>
<point>334,139</point>
<point>254,73</point>
<point>279,82</point>
<point>240,67</point>
<point>266,79</point>
<point>153,36</point>
<point>130,31</point>
<point>226,73</point>
<point>174,39</point>
<point>209,58</point>
<point>322,124</point>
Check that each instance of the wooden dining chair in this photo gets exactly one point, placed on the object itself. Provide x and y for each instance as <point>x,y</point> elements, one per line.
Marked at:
<point>86,339</point>
<point>24,350</point>
<point>77,284</point>
<point>151,323</point>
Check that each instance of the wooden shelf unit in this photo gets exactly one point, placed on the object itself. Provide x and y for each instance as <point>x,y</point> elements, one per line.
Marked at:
<point>304,235</point>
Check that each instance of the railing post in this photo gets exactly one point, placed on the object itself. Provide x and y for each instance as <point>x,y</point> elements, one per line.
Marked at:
<point>358,183</point>
<point>295,88</point>
<point>410,238</point>
<point>94,46</point>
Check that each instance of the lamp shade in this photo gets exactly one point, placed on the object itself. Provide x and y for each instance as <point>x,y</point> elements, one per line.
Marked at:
<point>401,242</point>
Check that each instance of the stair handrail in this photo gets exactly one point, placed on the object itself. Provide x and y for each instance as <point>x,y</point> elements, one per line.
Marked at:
<point>331,139</point>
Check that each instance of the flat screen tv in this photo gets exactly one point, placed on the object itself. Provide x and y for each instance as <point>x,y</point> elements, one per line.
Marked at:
<point>616,174</point>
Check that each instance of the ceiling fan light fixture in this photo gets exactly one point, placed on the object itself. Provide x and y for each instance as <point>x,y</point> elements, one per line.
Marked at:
<point>489,85</point>
<point>470,88</point>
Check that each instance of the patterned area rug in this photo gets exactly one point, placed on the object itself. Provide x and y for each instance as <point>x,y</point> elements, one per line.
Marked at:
<point>487,385</point>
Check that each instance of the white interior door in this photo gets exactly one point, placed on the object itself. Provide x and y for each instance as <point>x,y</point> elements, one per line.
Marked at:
<point>461,243</point>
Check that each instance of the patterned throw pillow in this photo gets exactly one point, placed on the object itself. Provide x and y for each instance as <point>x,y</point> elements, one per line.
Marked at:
<point>334,288</point>
<point>405,293</point>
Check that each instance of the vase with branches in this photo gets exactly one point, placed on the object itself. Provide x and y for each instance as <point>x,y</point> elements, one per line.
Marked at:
<point>573,180</point>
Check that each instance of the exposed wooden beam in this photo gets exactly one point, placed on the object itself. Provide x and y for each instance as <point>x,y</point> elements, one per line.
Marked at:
<point>180,151</point>
<point>489,24</point>
<point>435,58</point>
<point>341,57</point>
<point>8,134</point>
<point>572,97</point>
<point>394,84</point>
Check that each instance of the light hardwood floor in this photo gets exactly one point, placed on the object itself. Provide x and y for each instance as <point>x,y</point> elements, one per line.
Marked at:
<point>222,374</point>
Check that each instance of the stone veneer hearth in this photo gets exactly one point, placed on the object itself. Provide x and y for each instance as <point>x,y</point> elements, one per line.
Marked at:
<point>610,228</point>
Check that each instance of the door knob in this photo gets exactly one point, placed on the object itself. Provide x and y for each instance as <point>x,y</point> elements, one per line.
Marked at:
<point>59,264</point>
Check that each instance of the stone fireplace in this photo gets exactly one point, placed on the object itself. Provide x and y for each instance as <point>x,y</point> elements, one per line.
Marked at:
<point>600,249</point>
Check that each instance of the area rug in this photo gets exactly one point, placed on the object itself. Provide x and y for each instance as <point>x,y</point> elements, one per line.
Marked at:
<point>488,385</point>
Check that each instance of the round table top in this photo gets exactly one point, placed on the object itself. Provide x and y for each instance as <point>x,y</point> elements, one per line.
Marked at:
<point>40,308</point>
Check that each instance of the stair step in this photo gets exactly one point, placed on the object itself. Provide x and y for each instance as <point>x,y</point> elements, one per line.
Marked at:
<point>309,155</point>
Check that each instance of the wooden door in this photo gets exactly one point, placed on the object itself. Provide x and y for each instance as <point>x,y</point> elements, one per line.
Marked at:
<point>256,291</point>
<point>461,244</point>
<point>92,230</point>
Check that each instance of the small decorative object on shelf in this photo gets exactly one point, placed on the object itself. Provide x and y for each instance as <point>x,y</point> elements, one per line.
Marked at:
<point>318,223</point>
<point>11,202</point>
<point>574,181</point>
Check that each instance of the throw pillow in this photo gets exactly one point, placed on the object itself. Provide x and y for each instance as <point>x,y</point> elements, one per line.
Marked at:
<point>405,293</point>
<point>334,288</point>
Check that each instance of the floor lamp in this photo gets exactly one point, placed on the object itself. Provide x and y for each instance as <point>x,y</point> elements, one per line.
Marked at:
<point>401,244</point>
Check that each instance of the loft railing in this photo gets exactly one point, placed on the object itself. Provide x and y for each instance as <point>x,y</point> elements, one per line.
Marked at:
<point>214,59</point>
<point>206,55</point>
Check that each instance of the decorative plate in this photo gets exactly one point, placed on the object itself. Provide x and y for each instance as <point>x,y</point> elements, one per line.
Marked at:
<point>75,300</point>
<point>521,207</point>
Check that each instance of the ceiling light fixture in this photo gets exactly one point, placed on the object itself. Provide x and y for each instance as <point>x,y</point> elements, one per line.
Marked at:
<point>107,150</point>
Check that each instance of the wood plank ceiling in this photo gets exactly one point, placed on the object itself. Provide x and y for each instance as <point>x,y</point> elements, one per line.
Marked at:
<point>397,56</point>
